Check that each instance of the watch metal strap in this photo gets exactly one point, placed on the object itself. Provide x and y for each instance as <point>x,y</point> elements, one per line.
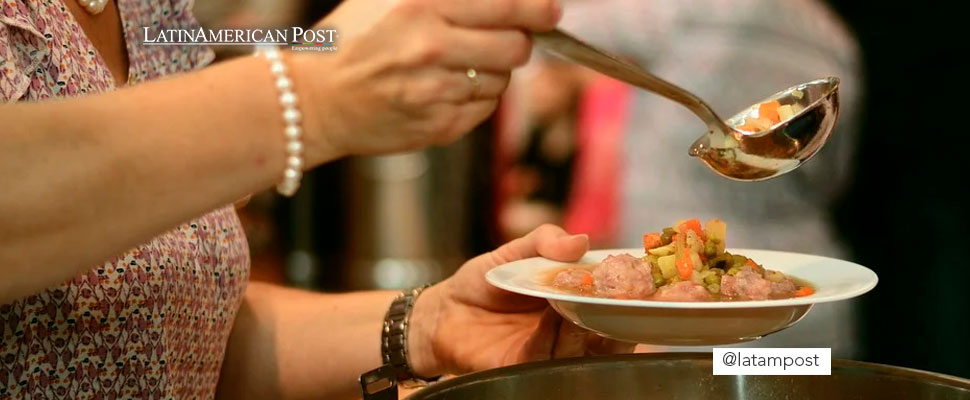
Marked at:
<point>394,341</point>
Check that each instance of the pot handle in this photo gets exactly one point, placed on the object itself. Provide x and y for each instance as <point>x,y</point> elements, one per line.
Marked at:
<point>373,379</point>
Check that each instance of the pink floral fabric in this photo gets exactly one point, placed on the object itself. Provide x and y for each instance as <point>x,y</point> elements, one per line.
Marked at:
<point>151,323</point>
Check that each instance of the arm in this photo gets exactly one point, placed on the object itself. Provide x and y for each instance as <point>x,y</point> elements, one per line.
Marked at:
<point>290,344</point>
<point>294,344</point>
<point>130,164</point>
<point>135,162</point>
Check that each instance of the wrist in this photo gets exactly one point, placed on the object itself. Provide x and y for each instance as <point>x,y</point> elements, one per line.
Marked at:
<point>318,124</point>
<point>423,332</point>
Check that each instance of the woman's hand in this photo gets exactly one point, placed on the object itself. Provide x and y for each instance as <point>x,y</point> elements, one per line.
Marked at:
<point>465,324</point>
<point>399,83</point>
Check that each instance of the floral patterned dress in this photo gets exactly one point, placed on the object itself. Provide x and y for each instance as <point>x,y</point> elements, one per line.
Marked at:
<point>151,323</point>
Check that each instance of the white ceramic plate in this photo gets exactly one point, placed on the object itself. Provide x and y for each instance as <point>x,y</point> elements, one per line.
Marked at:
<point>690,323</point>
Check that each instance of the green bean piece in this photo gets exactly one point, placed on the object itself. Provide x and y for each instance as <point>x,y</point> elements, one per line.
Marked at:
<point>733,271</point>
<point>712,279</point>
<point>667,236</point>
<point>658,278</point>
<point>738,261</point>
<point>714,288</point>
<point>721,262</point>
<point>710,248</point>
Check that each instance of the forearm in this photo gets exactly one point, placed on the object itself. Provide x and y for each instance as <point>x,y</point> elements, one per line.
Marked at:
<point>97,175</point>
<point>293,344</point>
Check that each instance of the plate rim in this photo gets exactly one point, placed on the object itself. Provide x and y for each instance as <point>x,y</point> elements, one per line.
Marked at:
<point>490,277</point>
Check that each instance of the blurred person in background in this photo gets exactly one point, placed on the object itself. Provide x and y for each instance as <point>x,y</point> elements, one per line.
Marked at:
<point>538,182</point>
<point>633,174</point>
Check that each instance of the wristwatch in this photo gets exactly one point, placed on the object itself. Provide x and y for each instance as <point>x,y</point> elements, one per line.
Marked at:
<point>394,349</point>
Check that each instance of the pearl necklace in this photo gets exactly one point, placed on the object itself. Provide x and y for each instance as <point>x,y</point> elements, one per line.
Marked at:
<point>93,7</point>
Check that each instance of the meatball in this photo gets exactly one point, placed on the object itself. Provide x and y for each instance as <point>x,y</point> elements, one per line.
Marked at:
<point>747,284</point>
<point>624,276</point>
<point>683,291</point>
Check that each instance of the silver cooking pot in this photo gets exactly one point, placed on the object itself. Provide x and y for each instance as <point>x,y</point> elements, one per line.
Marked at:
<point>684,376</point>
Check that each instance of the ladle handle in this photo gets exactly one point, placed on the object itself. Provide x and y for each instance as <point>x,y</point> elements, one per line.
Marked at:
<point>569,47</point>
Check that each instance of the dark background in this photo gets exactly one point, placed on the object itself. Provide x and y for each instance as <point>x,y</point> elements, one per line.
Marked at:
<point>905,216</point>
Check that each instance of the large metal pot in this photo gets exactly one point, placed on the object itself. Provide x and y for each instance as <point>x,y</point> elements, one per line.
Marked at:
<point>689,376</point>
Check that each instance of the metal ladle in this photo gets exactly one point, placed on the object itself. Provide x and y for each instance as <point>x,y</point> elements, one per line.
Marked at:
<point>730,152</point>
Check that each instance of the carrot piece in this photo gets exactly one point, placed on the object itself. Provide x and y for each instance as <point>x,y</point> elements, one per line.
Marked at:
<point>685,266</point>
<point>693,225</point>
<point>804,291</point>
<point>652,240</point>
<point>748,127</point>
<point>769,110</point>
<point>587,280</point>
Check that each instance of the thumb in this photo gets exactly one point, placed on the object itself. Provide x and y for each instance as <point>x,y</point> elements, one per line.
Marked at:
<point>548,241</point>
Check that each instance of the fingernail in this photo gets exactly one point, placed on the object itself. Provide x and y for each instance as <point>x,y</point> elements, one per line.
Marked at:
<point>580,235</point>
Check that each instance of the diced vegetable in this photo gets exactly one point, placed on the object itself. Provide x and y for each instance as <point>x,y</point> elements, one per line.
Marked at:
<point>722,262</point>
<point>668,267</point>
<point>757,268</point>
<point>668,235</point>
<point>685,266</point>
<point>717,231</point>
<point>768,115</point>
<point>712,279</point>
<point>587,280</point>
<point>804,291</point>
<point>737,261</point>
<point>752,124</point>
<point>769,110</point>
<point>677,225</point>
<point>658,277</point>
<point>697,278</point>
<point>714,288</point>
<point>680,242</point>
<point>691,225</point>
<point>694,242</point>
<point>695,261</point>
<point>785,112</point>
<point>710,248</point>
<point>733,271</point>
<point>748,127</point>
<point>652,240</point>
<point>663,250</point>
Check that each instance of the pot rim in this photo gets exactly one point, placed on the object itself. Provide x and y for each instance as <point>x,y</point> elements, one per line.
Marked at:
<point>850,366</point>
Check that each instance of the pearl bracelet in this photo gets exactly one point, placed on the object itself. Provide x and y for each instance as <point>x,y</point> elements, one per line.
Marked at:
<point>291,118</point>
